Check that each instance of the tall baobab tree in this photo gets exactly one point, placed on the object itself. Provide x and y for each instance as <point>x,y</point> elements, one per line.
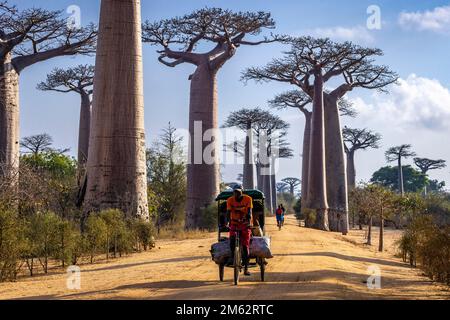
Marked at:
<point>300,100</point>
<point>244,120</point>
<point>425,165</point>
<point>80,80</point>
<point>325,60</point>
<point>226,31</point>
<point>116,167</point>
<point>354,140</point>
<point>28,37</point>
<point>269,131</point>
<point>292,183</point>
<point>397,154</point>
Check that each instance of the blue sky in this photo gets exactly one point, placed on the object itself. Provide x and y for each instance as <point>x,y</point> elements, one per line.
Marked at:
<point>415,37</point>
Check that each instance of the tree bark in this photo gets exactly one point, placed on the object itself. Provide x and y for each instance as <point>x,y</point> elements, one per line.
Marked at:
<point>351,171</point>
<point>84,129</point>
<point>267,190</point>
<point>9,120</point>
<point>259,180</point>
<point>381,238</point>
<point>203,167</point>
<point>305,157</point>
<point>369,232</point>
<point>273,184</point>
<point>401,186</point>
<point>317,185</point>
<point>336,171</point>
<point>116,168</point>
<point>248,177</point>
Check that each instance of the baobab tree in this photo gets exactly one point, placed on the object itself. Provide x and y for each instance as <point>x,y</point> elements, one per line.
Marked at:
<point>397,154</point>
<point>37,144</point>
<point>425,165</point>
<point>269,131</point>
<point>292,183</point>
<point>226,32</point>
<point>354,140</point>
<point>300,100</point>
<point>80,80</point>
<point>116,166</point>
<point>244,120</point>
<point>28,37</point>
<point>325,60</point>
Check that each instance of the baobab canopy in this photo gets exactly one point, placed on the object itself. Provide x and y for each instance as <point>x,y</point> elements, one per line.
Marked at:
<point>223,28</point>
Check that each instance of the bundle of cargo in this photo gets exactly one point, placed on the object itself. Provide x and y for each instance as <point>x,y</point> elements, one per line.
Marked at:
<point>221,251</point>
<point>259,248</point>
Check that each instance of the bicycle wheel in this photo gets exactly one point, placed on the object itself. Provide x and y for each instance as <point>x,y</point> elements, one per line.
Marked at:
<point>262,267</point>
<point>221,272</point>
<point>237,265</point>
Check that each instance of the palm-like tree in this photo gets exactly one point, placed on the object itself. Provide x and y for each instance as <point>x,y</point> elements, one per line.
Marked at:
<point>397,154</point>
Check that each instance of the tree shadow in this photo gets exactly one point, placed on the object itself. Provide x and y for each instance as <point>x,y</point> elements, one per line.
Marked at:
<point>137,264</point>
<point>349,258</point>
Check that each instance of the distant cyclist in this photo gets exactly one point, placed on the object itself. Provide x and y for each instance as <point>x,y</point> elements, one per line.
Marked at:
<point>279,213</point>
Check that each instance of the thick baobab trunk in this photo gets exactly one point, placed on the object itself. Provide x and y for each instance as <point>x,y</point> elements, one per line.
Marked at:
<point>84,129</point>
<point>401,187</point>
<point>305,157</point>
<point>259,180</point>
<point>116,167</point>
<point>336,171</point>
<point>9,119</point>
<point>203,168</point>
<point>317,185</point>
<point>248,178</point>
<point>267,190</point>
<point>273,184</point>
<point>351,172</point>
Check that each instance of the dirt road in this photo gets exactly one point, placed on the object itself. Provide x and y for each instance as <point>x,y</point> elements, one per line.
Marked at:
<point>308,264</point>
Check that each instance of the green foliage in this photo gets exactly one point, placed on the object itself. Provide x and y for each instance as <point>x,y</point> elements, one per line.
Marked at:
<point>167,177</point>
<point>426,244</point>
<point>144,234</point>
<point>95,236</point>
<point>414,181</point>
<point>12,244</point>
<point>298,210</point>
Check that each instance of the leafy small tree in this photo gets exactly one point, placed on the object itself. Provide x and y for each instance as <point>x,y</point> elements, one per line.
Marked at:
<point>166,170</point>
<point>96,235</point>
<point>43,232</point>
<point>12,244</point>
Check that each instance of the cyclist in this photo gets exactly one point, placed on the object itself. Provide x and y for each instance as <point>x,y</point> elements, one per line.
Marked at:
<point>239,209</point>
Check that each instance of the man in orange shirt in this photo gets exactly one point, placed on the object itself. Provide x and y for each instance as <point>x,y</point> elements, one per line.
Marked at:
<point>239,209</point>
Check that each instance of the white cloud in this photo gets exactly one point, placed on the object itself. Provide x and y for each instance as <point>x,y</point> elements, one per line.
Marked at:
<point>416,103</point>
<point>354,34</point>
<point>436,20</point>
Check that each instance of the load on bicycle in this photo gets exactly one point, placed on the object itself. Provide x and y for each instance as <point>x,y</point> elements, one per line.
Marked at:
<point>241,215</point>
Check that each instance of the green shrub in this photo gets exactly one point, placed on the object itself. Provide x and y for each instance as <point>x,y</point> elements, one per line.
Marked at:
<point>426,244</point>
<point>11,244</point>
<point>144,234</point>
<point>95,236</point>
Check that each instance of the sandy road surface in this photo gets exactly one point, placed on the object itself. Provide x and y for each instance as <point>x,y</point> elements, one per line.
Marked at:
<point>308,264</point>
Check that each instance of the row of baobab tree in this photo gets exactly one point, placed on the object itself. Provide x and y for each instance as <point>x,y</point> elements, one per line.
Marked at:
<point>112,138</point>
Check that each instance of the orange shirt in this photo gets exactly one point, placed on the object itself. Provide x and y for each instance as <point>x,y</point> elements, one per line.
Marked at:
<point>239,209</point>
